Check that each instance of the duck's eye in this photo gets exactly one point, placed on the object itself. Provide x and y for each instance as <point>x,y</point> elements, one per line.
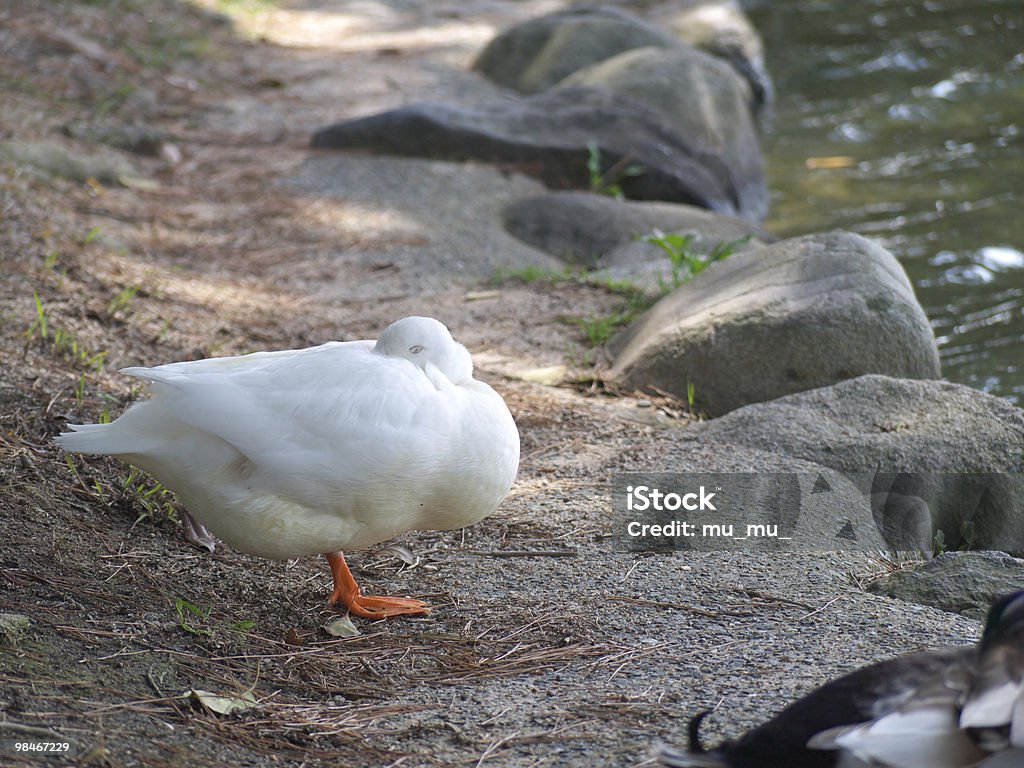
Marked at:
<point>416,349</point>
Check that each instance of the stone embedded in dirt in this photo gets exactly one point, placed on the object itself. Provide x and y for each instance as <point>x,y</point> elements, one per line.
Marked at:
<point>13,626</point>
<point>721,28</point>
<point>959,582</point>
<point>903,442</point>
<point>589,229</point>
<point>55,159</point>
<point>701,98</point>
<point>550,136</point>
<point>796,315</point>
<point>534,55</point>
<point>138,139</point>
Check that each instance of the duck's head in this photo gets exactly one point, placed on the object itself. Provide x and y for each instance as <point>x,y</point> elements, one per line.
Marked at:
<point>425,341</point>
<point>1005,623</point>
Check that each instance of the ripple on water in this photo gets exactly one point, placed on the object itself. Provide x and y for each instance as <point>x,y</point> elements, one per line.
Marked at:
<point>922,101</point>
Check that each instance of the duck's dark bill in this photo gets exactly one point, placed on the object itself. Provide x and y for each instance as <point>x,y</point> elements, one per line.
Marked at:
<point>819,511</point>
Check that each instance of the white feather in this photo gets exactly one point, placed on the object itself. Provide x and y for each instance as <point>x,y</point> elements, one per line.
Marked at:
<point>992,708</point>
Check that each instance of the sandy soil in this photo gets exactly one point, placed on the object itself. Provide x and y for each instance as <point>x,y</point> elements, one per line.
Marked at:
<point>547,645</point>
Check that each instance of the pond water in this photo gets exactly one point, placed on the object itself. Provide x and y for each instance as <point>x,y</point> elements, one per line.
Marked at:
<point>902,121</point>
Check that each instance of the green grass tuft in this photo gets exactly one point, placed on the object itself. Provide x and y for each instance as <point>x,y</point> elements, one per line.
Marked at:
<point>60,341</point>
<point>190,616</point>
<point>686,263</point>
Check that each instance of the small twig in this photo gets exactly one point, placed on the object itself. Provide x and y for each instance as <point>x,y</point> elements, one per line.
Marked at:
<point>773,598</point>
<point>521,552</point>
<point>33,730</point>
<point>632,568</point>
<point>614,170</point>
<point>819,610</point>
<point>494,746</point>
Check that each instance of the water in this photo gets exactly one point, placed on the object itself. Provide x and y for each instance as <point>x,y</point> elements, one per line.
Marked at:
<point>903,121</point>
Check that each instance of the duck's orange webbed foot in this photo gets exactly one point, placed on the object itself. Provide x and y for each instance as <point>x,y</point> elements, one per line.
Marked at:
<point>346,592</point>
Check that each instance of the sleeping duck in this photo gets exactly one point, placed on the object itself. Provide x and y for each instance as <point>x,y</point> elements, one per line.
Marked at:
<point>344,445</point>
<point>953,708</point>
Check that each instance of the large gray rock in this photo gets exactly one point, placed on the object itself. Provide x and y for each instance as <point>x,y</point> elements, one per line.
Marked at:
<point>959,582</point>
<point>721,28</point>
<point>818,509</point>
<point>587,229</point>
<point>796,315</point>
<point>874,422</point>
<point>764,511</point>
<point>532,56</point>
<point>548,136</point>
<point>949,451</point>
<point>701,98</point>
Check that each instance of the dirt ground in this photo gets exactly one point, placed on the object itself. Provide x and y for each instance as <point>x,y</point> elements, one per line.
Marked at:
<point>546,646</point>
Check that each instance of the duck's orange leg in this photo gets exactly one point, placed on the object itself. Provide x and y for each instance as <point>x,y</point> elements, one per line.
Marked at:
<point>346,591</point>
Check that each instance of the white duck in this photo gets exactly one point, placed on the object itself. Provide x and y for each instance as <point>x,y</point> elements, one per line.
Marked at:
<point>299,452</point>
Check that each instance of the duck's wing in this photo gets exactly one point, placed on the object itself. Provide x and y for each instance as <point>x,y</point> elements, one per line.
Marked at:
<point>311,420</point>
<point>239,363</point>
<point>994,704</point>
<point>919,736</point>
<point>920,729</point>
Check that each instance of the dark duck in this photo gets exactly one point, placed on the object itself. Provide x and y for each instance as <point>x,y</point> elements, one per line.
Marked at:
<point>953,708</point>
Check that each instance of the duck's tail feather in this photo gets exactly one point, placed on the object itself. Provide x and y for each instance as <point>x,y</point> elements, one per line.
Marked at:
<point>94,438</point>
<point>132,433</point>
<point>694,732</point>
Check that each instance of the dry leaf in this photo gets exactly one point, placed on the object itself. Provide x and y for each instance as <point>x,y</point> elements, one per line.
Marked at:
<point>482,295</point>
<point>132,181</point>
<point>402,553</point>
<point>292,637</point>
<point>223,705</point>
<point>835,161</point>
<point>342,627</point>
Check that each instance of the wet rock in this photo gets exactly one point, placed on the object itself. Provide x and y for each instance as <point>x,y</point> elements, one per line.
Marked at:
<point>959,582</point>
<point>532,56</point>
<point>797,315</point>
<point>904,443</point>
<point>700,98</point>
<point>550,136</point>
<point>590,230</point>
